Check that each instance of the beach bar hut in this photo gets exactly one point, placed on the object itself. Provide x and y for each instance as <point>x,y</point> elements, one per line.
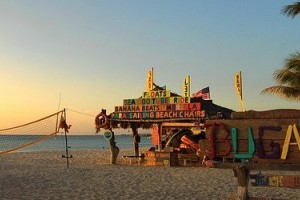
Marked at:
<point>190,130</point>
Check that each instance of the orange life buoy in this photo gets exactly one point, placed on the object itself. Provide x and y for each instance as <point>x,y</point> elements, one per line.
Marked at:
<point>101,120</point>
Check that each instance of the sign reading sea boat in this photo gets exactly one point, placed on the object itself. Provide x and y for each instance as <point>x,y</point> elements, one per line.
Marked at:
<point>107,134</point>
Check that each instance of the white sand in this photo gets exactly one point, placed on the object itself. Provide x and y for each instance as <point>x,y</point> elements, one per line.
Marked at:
<point>44,175</point>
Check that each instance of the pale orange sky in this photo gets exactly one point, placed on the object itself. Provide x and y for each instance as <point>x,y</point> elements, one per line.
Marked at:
<point>97,53</point>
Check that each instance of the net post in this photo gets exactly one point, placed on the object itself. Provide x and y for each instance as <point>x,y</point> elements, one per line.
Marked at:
<point>66,139</point>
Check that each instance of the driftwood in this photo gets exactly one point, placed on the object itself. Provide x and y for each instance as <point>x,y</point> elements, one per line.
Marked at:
<point>268,114</point>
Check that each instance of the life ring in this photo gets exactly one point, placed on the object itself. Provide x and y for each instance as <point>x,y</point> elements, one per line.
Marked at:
<point>101,120</point>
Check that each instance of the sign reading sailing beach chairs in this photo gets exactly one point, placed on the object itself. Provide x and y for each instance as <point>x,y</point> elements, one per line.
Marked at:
<point>158,104</point>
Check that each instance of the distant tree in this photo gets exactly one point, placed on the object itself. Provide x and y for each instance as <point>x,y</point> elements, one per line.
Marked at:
<point>287,79</point>
<point>291,10</point>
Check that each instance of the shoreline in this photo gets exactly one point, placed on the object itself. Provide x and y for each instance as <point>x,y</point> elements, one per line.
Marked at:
<point>44,175</point>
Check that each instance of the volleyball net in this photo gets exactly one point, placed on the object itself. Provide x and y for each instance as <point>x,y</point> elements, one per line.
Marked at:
<point>30,134</point>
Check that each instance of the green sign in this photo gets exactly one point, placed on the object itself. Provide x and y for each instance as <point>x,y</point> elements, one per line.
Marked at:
<point>107,134</point>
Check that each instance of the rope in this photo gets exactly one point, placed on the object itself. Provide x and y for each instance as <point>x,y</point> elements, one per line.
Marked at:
<point>79,112</point>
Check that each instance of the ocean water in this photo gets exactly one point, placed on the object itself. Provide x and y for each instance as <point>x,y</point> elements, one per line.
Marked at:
<point>74,142</point>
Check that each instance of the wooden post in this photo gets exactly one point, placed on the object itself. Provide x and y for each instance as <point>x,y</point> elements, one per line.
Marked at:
<point>104,121</point>
<point>114,150</point>
<point>159,137</point>
<point>242,172</point>
<point>136,139</point>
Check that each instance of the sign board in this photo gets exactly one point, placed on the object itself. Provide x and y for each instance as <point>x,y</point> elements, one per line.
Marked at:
<point>107,134</point>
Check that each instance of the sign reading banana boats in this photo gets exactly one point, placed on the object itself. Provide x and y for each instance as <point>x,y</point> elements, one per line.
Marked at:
<point>158,103</point>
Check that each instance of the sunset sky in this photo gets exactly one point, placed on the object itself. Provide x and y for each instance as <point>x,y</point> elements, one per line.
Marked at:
<point>93,54</point>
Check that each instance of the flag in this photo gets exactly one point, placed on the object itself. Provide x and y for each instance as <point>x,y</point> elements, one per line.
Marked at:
<point>238,88</point>
<point>204,93</point>
<point>238,84</point>
<point>149,81</point>
<point>186,86</point>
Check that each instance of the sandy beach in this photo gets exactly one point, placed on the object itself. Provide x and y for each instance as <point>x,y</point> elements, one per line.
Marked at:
<point>44,175</point>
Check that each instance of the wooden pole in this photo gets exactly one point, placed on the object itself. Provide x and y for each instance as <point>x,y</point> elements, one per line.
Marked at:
<point>242,172</point>
<point>159,137</point>
<point>114,150</point>
<point>136,139</point>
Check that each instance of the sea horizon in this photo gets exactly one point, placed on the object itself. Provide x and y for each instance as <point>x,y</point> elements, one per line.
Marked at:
<point>73,142</point>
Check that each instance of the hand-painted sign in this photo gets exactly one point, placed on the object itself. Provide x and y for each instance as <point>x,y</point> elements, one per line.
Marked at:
<point>156,94</point>
<point>269,149</point>
<point>186,88</point>
<point>159,107</point>
<point>288,181</point>
<point>159,100</point>
<point>158,114</point>
<point>150,78</point>
<point>158,104</point>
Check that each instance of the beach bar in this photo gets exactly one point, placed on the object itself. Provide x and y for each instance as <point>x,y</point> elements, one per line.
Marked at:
<point>190,130</point>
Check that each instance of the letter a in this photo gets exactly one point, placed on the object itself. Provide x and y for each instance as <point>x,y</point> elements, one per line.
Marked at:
<point>287,141</point>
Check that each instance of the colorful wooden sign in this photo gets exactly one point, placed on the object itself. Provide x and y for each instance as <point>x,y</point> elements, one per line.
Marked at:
<point>260,143</point>
<point>158,114</point>
<point>156,94</point>
<point>159,100</point>
<point>149,81</point>
<point>186,87</point>
<point>158,104</point>
<point>159,107</point>
<point>287,181</point>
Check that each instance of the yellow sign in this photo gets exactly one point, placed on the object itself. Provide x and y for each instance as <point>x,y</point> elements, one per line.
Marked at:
<point>186,87</point>
<point>238,84</point>
<point>238,87</point>
<point>149,82</point>
<point>156,93</point>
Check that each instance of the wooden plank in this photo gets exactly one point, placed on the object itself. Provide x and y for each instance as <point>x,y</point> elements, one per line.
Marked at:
<point>177,124</point>
<point>295,160</point>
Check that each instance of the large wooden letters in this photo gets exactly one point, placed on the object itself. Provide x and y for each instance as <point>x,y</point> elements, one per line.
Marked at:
<point>251,145</point>
<point>224,140</point>
<point>275,146</point>
<point>287,141</point>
